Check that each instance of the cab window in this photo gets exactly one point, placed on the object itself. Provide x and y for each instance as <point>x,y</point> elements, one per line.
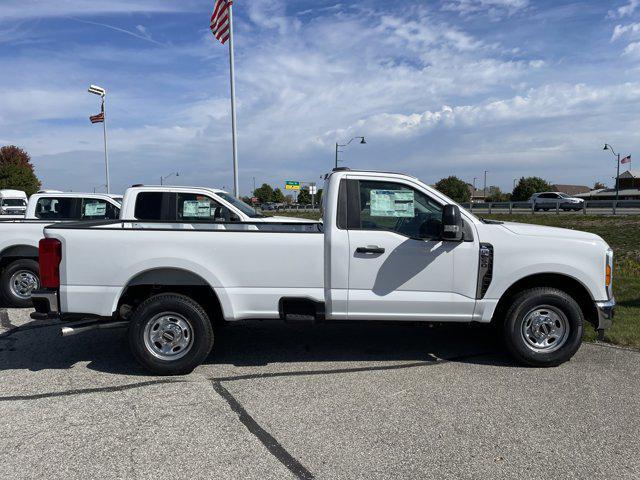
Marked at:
<point>196,207</point>
<point>149,206</point>
<point>98,209</point>
<point>60,208</point>
<point>396,207</point>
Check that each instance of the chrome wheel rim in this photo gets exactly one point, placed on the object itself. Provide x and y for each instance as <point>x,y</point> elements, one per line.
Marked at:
<point>23,282</point>
<point>545,329</point>
<point>168,336</point>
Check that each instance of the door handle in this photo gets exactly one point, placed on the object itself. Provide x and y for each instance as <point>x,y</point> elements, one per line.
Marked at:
<point>370,249</point>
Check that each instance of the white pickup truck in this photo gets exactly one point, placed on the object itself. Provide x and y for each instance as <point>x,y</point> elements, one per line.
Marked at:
<point>389,248</point>
<point>19,237</point>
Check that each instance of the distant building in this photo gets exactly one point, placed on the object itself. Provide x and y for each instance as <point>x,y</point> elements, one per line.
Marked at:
<point>629,183</point>
<point>570,189</point>
<point>477,194</point>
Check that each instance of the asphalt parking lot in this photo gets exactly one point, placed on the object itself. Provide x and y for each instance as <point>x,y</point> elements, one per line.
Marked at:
<point>323,401</point>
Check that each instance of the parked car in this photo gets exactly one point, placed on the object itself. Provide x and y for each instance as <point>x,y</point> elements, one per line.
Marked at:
<point>549,200</point>
<point>13,202</point>
<point>391,248</point>
<point>19,272</point>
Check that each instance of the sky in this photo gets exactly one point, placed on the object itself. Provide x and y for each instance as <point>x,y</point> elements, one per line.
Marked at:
<point>438,88</point>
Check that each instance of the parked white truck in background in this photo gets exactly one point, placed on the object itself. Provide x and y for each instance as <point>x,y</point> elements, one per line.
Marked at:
<point>19,237</point>
<point>13,202</point>
<point>390,248</point>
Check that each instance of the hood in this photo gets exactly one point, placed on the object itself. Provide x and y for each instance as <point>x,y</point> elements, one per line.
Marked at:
<point>285,219</point>
<point>550,232</point>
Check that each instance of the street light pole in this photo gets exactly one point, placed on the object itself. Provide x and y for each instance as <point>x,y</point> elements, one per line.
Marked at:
<point>485,185</point>
<point>617,179</point>
<point>362,142</point>
<point>162,179</point>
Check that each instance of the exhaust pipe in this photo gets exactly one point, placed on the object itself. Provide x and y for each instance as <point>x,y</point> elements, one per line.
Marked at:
<point>75,330</point>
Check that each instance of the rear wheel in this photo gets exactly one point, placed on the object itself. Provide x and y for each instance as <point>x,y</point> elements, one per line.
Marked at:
<point>170,334</point>
<point>18,280</point>
<point>543,327</point>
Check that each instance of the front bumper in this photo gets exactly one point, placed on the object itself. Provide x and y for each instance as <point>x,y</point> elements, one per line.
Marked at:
<point>606,311</point>
<point>45,302</point>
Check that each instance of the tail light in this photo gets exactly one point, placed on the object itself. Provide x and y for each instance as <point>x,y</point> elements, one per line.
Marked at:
<point>50,255</point>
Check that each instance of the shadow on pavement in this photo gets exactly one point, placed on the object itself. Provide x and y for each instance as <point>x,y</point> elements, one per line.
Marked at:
<point>37,347</point>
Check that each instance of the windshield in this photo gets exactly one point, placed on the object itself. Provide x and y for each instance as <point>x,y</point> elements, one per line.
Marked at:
<point>240,205</point>
<point>14,202</point>
<point>564,195</point>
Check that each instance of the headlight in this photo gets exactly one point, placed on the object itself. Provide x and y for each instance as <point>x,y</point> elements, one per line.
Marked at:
<point>608,273</point>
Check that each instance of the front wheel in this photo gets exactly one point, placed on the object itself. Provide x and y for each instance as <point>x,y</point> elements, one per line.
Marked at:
<point>170,334</point>
<point>543,327</point>
<point>18,280</point>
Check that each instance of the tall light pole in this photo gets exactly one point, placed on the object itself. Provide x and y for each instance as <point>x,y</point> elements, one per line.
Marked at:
<point>485,185</point>
<point>362,142</point>
<point>617,155</point>
<point>162,179</point>
<point>103,95</point>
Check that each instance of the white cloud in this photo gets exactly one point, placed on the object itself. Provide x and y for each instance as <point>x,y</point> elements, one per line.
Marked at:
<point>550,101</point>
<point>632,30</point>
<point>492,7</point>
<point>633,49</point>
<point>624,10</point>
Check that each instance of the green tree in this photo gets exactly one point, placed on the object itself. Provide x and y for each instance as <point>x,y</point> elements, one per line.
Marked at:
<point>264,193</point>
<point>278,196</point>
<point>496,195</point>
<point>455,188</point>
<point>304,196</point>
<point>527,186</point>
<point>16,170</point>
<point>599,186</point>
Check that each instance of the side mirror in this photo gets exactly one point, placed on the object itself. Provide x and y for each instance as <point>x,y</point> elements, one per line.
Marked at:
<point>451,223</point>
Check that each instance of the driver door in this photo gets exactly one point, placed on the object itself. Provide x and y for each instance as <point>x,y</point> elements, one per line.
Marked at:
<point>399,268</point>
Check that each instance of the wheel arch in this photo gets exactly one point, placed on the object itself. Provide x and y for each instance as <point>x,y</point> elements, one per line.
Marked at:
<point>568,284</point>
<point>169,279</point>
<point>15,252</point>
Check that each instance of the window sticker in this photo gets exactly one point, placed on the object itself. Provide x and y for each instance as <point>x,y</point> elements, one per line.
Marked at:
<point>392,203</point>
<point>96,209</point>
<point>196,208</point>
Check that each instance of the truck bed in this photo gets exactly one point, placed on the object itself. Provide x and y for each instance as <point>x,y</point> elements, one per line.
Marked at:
<point>250,266</point>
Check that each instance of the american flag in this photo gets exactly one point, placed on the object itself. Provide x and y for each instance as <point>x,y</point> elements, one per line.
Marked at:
<point>626,159</point>
<point>220,20</point>
<point>97,118</point>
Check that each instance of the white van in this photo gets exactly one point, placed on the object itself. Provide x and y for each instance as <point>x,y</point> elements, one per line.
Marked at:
<point>13,202</point>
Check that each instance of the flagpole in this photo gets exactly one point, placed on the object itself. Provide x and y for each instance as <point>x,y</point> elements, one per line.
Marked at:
<point>236,189</point>
<point>104,132</point>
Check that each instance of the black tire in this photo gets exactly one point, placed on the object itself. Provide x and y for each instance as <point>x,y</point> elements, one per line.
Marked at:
<point>10,298</point>
<point>543,298</point>
<point>201,333</point>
